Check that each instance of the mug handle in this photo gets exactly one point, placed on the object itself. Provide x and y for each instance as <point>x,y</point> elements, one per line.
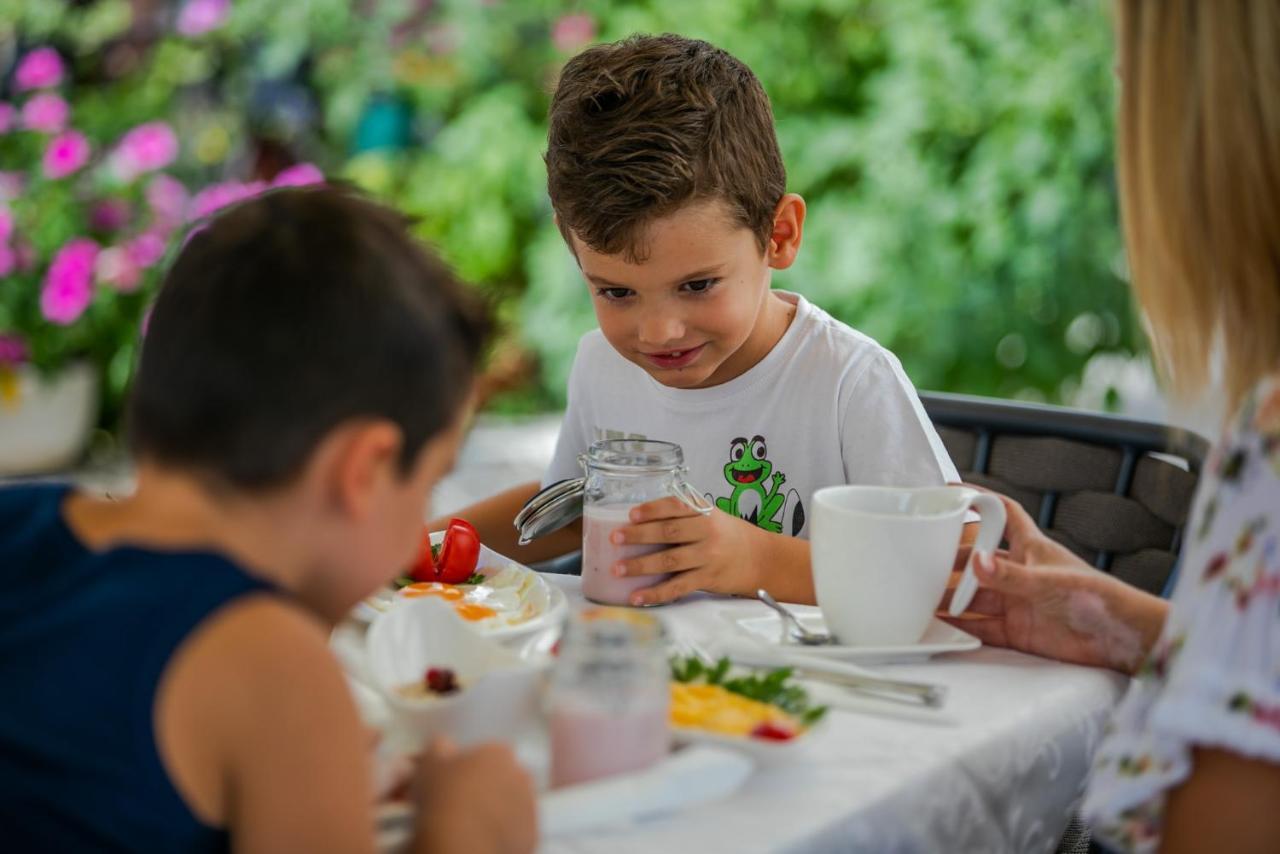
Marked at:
<point>990,533</point>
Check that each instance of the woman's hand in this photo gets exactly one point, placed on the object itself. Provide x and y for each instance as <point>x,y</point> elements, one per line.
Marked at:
<point>1038,597</point>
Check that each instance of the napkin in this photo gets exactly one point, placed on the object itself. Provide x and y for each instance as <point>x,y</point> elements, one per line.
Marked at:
<point>686,778</point>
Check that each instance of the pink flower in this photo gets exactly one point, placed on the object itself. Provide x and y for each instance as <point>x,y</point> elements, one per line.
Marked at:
<point>116,269</point>
<point>146,249</point>
<point>218,196</point>
<point>168,200</point>
<point>110,215</point>
<point>573,31</point>
<point>8,261</point>
<point>6,225</point>
<point>45,112</point>
<point>66,153</point>
<point>146,148</point>
<point>68,284</point>
<point>13,350</point>
<point>8,117</point>
<point>200,16</point>
<point>299,175</point>
<point>39,69</point>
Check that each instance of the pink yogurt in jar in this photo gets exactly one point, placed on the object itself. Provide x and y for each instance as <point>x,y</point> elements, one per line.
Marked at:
<point>599,555</point>
<point>589,741</point>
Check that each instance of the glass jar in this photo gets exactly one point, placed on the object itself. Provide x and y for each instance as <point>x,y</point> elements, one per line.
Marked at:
<point>609,700</point>
<point>620,474</point>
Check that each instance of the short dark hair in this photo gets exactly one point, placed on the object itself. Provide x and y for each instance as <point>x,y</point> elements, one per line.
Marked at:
<point>643,126</point>
<point>289,315</point>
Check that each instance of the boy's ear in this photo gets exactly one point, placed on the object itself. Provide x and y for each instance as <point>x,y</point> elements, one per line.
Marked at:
<point>788,229</point>
<point>365,459</point>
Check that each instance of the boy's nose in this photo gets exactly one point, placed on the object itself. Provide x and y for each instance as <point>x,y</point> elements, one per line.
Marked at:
<point>660,328</point>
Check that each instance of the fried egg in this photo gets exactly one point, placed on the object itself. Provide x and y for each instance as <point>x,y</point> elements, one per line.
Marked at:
<point>508,597</point>
<point>711,707</point>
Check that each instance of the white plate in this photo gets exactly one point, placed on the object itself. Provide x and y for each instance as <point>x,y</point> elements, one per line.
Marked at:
<point>551,601</point>
<point>938,638</point>
<point>760,749</point>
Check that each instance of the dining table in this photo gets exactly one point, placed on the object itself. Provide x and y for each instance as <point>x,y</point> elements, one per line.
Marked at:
<point>1000,767</point>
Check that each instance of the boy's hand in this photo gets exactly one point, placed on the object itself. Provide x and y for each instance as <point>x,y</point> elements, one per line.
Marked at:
<point>716,552</point>
<point>478,801</point>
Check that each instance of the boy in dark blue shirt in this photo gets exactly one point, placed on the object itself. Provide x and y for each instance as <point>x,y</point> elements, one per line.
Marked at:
<point>303,384</point>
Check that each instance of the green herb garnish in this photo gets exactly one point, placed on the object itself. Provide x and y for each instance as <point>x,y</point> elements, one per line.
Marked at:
<point>475,578</point>
<point>771,687</point>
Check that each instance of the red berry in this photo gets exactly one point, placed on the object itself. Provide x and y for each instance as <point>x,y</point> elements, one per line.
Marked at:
<point>771,731</point>
<point>441,680</point>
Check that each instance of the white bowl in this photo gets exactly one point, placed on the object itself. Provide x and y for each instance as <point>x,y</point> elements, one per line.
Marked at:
<point>500,692</point>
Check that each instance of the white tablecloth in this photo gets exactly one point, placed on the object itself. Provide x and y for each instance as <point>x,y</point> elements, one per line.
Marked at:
<point>1004,773</point>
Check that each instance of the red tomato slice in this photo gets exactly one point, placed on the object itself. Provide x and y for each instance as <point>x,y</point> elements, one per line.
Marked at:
<point>424,567</point>
<point>459,554</point>
<point>770,731</point>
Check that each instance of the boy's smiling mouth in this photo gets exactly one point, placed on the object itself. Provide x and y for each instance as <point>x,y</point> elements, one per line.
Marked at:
<point>674,359</point>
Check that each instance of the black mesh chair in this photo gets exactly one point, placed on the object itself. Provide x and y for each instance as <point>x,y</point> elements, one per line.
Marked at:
<point>1115,491</point>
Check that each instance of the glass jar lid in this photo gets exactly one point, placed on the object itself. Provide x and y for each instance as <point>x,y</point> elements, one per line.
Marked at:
<point>633,456</point>
<point>551,509</point>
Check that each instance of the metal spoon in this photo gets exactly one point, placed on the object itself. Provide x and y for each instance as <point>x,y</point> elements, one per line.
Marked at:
<point>808,637</point>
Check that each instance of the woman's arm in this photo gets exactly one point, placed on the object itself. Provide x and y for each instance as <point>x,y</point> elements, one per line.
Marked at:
<point>1229,803</point>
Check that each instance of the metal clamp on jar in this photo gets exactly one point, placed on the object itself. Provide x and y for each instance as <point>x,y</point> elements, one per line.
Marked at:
<point>619,474</point>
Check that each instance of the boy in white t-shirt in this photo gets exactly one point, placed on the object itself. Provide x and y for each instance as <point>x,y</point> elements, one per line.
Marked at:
<point>667,182</point>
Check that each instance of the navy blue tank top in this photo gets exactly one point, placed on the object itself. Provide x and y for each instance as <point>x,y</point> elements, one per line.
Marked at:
<point>84,639</point>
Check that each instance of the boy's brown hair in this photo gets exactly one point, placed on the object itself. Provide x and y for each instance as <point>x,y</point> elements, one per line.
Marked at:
<point>645,125</point>
<point>289,315</point>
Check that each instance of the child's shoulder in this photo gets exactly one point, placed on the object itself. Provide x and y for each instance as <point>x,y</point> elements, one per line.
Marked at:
<point>822,338</point>
<point>595,357</point>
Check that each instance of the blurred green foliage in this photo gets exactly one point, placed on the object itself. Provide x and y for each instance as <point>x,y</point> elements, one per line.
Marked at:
<point>956,155</point>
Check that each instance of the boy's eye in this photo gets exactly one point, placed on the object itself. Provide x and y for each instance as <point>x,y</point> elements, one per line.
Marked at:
<point>701,286</point>
<point>614,293</point>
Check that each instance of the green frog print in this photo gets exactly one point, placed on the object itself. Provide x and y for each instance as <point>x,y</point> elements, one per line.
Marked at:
<point>747,471</point>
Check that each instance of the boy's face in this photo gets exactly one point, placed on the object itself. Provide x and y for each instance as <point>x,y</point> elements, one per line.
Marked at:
<point>693,314</point>
<point>380,539</point>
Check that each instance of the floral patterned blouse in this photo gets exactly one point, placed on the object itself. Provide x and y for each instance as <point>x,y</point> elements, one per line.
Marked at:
<point>1213,677</point>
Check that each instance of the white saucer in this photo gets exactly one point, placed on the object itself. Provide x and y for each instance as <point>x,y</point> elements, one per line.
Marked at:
<point>938,638</point>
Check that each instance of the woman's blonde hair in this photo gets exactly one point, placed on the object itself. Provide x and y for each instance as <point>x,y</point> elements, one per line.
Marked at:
<point>1200,183</point>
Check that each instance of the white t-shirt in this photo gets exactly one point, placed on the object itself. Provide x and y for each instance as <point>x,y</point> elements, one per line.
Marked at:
<point>826,406</point>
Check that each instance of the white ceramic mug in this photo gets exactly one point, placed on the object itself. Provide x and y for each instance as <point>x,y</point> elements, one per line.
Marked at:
<point>882,557</point>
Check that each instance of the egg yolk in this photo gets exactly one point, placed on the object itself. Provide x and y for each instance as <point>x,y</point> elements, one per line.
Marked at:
<point>432,588</point>
<point>466,610</point>
<point>713,708</point>
<point>472,612</point>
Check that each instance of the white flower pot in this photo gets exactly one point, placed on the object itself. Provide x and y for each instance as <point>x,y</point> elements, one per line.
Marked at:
<point>45,422</point>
